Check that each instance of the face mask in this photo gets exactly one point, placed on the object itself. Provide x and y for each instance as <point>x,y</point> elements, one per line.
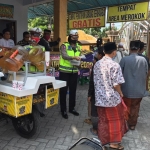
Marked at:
<point>73,41</point>
<point>115,54</point>
<point>120,49</point>
<point>47,37</point>
<point>36,39</point>
<point>113,58</point>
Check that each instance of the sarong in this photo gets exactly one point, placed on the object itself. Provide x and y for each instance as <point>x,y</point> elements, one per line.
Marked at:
<point>133,106</point>
<point>112,125</point>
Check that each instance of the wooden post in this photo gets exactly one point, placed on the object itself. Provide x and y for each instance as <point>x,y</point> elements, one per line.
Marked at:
<point>60,21</point>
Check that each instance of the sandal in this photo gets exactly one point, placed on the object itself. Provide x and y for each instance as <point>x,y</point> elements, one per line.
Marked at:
<point>119,147</point>
<point>132,127</point>
<point>88,121</point>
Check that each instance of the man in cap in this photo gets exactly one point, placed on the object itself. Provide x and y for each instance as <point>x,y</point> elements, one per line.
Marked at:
<point>44,41</point>
<point>135,70</point>
<point>99,43</point>
<point>120,53</point>
<point>70,50</point>
<point>107,80</point>
<point>141,51</point>
<point>92,109</point>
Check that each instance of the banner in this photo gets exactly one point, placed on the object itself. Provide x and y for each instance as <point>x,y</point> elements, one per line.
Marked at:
<point>87,19</point>
<point>128,12</point>
<point>84,70</point>
<point>85,63</point>
<point>6,11</point>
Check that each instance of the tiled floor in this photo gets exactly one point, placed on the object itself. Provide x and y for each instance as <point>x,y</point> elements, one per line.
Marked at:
<point>58,133</point>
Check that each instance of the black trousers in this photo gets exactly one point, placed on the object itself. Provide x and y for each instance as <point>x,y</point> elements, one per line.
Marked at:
<point>71,79</point>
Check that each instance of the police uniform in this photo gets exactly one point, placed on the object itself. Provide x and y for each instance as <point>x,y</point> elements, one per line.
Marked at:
<point>68,73</point>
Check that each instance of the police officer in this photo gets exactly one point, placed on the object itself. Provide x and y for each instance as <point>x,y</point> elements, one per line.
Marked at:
<point>70,50</point>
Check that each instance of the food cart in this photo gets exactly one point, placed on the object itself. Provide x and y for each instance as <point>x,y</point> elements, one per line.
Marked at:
<point>20,104</point>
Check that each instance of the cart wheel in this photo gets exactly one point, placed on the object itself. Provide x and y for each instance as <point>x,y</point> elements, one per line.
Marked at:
<point>27,126</point>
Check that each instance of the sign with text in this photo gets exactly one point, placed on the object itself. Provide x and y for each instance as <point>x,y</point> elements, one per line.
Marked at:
<point>128,12</point>
<point>6,11</point>
<point>87,19</point>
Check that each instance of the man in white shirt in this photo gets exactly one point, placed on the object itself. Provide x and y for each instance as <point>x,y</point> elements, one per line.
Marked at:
<point>6,41</point>
<point>107,80</point>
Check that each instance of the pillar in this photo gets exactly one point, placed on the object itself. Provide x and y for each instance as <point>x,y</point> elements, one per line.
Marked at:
<point>148,41</point>
<point>148,44</point>
<point>60,21</point>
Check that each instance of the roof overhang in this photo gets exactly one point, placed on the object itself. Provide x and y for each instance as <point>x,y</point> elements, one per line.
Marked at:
<point>45,7</point>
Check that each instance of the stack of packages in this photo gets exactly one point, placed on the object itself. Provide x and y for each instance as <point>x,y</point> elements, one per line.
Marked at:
<point>13,59</point>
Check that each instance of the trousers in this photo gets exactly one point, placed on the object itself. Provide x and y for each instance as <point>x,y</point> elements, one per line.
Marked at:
<point>71,79</point>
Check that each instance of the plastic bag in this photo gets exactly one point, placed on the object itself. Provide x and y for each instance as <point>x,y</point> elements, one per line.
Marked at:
<point>124,105</point>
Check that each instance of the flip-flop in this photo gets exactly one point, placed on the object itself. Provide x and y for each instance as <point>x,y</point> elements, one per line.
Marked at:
<point>132,127</point>
<point>88,121</point>
<point>120,147</point>
<point>91,130</point>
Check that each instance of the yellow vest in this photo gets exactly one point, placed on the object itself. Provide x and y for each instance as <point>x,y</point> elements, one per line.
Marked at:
<point>65,65</point>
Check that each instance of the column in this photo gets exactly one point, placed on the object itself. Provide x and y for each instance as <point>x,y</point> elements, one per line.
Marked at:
<point>60,21</point>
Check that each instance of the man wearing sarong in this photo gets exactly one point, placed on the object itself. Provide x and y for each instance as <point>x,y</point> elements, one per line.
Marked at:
<point>107,80</point>
<point>135,70</point>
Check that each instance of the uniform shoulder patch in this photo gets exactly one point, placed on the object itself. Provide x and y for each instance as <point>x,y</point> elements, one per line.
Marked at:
<point>63,47</point>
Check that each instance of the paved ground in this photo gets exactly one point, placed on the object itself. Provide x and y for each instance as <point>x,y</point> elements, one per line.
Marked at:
<point>59,134</point>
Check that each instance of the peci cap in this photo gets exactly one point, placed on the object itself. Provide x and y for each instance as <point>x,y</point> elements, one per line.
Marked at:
<point>111,46</point>
<point>99,40</point>
<point>74,32</point>
<point>135,45</point>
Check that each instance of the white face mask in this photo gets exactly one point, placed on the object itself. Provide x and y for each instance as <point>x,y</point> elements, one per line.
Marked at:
<point>120,49</point>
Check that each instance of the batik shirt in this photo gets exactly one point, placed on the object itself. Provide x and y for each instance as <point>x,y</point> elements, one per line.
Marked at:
<point>107,74</point>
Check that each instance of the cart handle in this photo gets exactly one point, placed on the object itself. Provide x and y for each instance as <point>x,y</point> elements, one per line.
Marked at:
<point>84,138</point>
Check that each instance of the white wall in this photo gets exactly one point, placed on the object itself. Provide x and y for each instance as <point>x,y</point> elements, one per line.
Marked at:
<point>20,15</point>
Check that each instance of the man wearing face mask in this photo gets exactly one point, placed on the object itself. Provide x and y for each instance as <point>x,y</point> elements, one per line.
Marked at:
<point>70,50</point>
<point>120,53</point>
<point>44,41</point>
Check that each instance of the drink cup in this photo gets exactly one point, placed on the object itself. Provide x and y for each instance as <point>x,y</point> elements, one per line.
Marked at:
<point>14,84</point>
<point>20,85</point>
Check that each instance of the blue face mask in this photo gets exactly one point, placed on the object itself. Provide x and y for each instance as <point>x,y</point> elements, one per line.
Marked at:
<point>114,58</point>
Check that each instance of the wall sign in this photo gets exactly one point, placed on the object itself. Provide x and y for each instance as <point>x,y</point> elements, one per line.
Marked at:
<point>6,11</point>
<point>87,19</point>
<point>128,12</point>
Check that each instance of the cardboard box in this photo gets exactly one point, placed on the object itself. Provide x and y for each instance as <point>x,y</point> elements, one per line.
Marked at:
<point>51,97</point>
<point>15,106</point>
